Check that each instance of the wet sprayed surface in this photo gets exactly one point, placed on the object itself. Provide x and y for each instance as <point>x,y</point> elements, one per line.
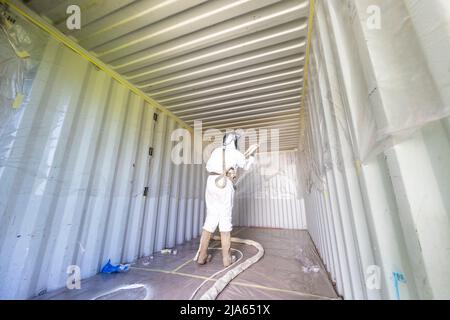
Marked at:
<point>290,269</point>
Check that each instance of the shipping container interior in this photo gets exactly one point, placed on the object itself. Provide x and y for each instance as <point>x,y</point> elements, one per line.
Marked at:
<point>109,111</point>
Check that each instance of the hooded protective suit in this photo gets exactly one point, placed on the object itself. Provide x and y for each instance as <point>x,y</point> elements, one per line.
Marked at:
<point>219,201</point>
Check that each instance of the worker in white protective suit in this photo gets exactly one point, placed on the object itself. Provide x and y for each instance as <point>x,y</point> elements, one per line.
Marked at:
<point>219,196</point>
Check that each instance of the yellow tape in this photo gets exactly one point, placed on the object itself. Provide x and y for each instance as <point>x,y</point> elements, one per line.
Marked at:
<point>312,6</point>
<point>176,273</point>
<point>56,34</point>
<point>18,101</point>
<point>358,165</point>
<point>251,285</point>
<point>23,54</point>
<point>182,265</point>
<point>236,283</point>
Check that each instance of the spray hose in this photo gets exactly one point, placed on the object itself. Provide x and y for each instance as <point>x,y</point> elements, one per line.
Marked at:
<point>223,281</point>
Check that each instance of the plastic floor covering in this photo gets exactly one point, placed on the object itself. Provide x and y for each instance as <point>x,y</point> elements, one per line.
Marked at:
<point>290,269</point>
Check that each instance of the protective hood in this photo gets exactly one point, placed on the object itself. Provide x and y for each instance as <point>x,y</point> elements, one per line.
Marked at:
<point>230,139</point>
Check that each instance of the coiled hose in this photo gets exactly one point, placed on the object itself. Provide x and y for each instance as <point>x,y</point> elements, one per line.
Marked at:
<point>223,281</point>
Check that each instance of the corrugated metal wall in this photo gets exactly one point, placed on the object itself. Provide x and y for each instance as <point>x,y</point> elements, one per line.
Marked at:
<point>268,195</point>
<point>373,160</point>
<point>390,212</point>
<point>72,177</point>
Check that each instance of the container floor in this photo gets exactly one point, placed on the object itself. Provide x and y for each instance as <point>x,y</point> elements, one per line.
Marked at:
<point>280,274</point>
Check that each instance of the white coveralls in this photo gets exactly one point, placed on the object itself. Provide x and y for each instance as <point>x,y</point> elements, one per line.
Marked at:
<point>219,202</point>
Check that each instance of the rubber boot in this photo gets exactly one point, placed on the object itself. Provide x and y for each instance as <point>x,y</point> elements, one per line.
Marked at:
<point>225,239</point>
<point>204,243</point>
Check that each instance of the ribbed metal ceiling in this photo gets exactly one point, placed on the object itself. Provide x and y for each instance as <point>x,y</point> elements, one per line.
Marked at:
<point>232,64</point>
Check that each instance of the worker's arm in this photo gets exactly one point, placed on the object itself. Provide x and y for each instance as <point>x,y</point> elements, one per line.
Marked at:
<point>214,164</point>
<point>244,163</point>
<point>249,155</point>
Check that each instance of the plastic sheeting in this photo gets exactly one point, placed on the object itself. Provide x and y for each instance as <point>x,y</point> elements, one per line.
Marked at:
<point>378,37</point>
<point>20,55</point>
<point>268,194</point>
<point>75,163</point>
<point>17,65</point>
<point>279,274</point>
<point>376,147</point>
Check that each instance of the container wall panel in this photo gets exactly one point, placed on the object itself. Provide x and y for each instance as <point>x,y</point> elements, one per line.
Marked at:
<point>376,149</point>
<point>362,111</point>
<point>267,195</point>
<point>72,175</point>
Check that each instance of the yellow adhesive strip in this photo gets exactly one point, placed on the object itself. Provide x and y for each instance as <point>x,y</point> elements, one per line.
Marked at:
<point>56,34</point>
<point>182,265</point>
<point>18,101</point>
<point>251,285</point>
<point>172,272</point>
<point>358,165</point>
<point>237,283</point>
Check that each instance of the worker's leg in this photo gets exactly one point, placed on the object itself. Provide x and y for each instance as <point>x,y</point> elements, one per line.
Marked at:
<point>225,227</point>
<point>211,222</point>
<point>204,243</point>
<point>225,238</point>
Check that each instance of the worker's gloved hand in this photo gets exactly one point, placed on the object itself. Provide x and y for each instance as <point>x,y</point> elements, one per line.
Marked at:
<point>251,150</point>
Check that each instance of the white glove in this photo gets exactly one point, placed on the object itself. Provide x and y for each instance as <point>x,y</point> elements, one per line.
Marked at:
<point>251,150</point>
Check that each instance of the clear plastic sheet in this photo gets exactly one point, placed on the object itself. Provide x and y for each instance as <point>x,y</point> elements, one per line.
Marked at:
<point>314,154</point>
<point>407,56</point>
<point>21,50</point>
<point>268,194</point>
<point>76,184</point>
<point>307,264</point>
<point>20,54</point>
<point>280,274</point>
<point>402,66</point>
